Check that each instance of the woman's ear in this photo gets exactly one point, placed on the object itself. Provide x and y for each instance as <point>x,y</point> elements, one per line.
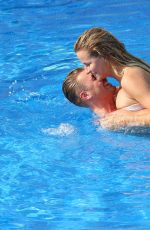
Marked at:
<point>84,95</point>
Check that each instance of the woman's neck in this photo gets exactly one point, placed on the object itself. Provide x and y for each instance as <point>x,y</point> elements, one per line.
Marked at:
<point>117,71</point>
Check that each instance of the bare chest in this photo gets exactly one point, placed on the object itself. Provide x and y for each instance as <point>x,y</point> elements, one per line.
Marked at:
<point>123,99</point>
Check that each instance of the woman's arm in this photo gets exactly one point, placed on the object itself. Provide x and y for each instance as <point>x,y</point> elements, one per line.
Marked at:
<point>136,82</point>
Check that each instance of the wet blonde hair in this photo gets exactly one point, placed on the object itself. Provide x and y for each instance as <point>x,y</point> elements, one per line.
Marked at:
<point>101,43</point>
<point>72,88</point>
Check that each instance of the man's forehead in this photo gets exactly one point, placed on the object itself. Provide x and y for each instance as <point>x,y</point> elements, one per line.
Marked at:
<point>83,74</point>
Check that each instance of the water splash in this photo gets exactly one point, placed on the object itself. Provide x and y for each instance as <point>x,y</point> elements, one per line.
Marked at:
<point>64,129</point>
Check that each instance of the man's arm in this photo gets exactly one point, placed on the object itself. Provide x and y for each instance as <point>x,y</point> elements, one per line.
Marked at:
<point>122,118</point>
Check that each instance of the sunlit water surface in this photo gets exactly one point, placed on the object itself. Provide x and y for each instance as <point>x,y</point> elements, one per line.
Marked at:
<point>58,169</point>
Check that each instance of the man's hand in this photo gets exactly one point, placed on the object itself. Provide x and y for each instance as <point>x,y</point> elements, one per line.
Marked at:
<point>114,122</point>
<point>121,119</point>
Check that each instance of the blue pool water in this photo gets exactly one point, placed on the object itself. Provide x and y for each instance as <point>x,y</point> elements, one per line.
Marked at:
<point>59,170</point>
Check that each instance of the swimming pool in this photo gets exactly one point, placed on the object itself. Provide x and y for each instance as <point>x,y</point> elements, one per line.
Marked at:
<point>59,170</point>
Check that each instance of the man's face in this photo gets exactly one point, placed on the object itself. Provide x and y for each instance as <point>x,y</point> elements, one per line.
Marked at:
<point>97,89</point>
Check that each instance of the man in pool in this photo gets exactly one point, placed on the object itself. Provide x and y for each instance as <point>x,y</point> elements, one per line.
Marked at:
<point>85,90</point>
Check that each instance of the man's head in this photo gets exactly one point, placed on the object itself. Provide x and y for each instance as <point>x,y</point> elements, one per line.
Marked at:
<point>83,89</point>
<point>72,88</point>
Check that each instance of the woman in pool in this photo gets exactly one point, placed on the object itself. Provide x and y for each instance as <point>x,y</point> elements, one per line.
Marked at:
<point>104,56</point>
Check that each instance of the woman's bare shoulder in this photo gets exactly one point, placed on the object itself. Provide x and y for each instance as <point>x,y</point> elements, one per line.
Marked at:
<point>134,75</point>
